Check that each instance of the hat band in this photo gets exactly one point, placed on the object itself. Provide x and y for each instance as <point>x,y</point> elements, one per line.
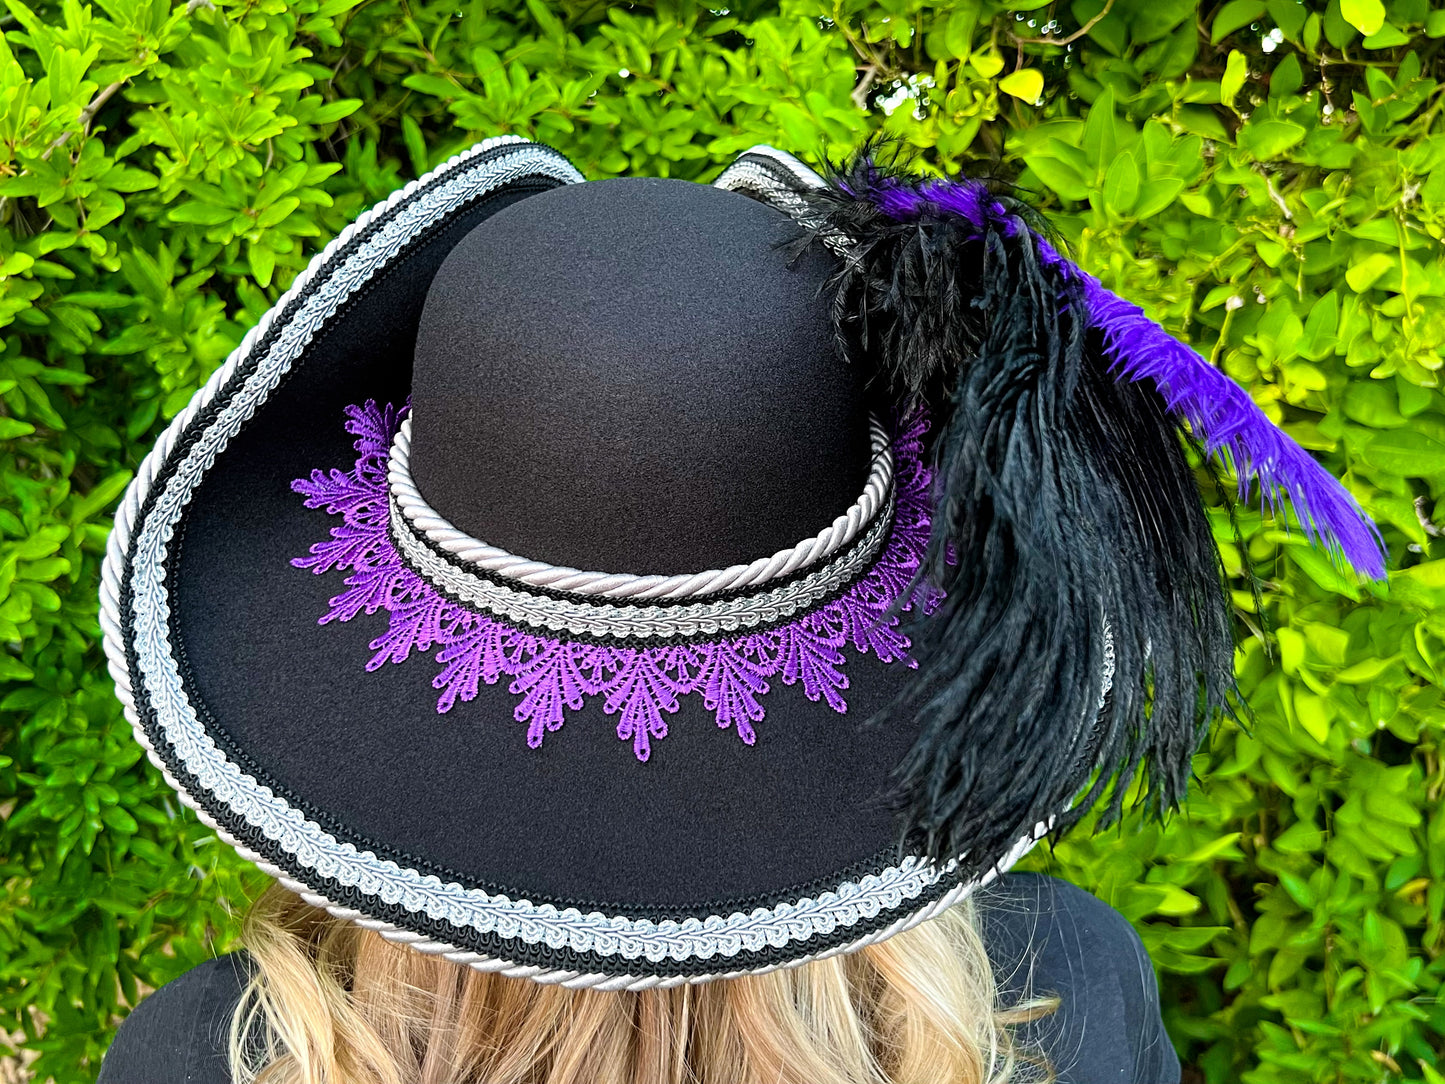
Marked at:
<point>641,681</point>
<point>632,609</point>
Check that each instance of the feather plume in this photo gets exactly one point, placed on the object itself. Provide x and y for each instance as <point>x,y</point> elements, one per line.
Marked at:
<point>1221,415</point>
<point>1084,629</point>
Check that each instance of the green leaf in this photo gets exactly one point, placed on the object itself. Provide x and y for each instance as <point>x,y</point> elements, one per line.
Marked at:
<point>958,31</point>
<point>12,669</point>
<point>201,214</point>
<point>1365,671</point>
<point>262,261</point>
<point>1366,16</point>
<point>1202,121</point>
<point>1405,453</point>
<point>1061,177</point>
<point>1026,84</point>
<point>547,22</point>
<point>1320,327</point>
<point>1236,70</point>
<point>1302,837</point>
<point>100,496</point>
<point>1287,77</point>
<point>1311,713</point>
<point>1427,574</point>
<point>1100,139</point>
<point>435,85</point>
<point>415,144</point>
<point>1297,887</point>
<point>1338,32</point>
<point>1322,571</point>
<point>1291,650</point>
<point>1121,184</point>
<point>988,65</point>
<point>1232,16</point>
<point>1388,36</point>
<point>1364,274</point>
<point>1157,195</point>
<point>1267,139</point>
<point>1288,15</point>
<point>1375,405</point>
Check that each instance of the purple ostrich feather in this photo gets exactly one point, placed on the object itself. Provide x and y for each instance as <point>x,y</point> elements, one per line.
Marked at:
<point>641,686</point>
<point>1219,412</point>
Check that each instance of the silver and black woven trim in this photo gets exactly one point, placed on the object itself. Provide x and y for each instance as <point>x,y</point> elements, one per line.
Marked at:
<point>744,599</point>
<point>495,563</point>
<point>772,176</point>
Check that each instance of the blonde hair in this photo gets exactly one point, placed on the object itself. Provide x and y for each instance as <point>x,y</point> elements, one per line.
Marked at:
<point>332,1003</point>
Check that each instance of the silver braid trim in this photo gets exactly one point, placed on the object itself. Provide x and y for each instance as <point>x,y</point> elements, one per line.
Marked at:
<point>777,178</point>
<point>773,177</point>
<point>189,447</point>
<point>440,532</point>
<point>600,980</point>
<point>566,618</point>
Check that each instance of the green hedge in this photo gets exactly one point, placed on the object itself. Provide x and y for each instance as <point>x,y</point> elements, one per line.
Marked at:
<point>1263,175</point>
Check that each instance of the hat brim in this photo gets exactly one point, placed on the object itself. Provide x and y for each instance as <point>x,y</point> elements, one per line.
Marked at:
<point>570,863</point>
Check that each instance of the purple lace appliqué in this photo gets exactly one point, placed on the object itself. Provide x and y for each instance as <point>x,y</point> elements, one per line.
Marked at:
<point>641,686</point>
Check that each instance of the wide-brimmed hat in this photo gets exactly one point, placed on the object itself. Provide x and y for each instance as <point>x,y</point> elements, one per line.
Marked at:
<point>635,582</point>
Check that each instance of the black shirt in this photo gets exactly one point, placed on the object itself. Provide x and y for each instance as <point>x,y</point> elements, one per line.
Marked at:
<point>1043,935</point>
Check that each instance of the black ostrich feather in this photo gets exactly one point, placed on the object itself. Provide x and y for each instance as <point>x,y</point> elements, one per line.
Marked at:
<point>1085,628</point>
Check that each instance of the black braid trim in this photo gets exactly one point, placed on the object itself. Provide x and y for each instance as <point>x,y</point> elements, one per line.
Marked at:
<point>516,951</point>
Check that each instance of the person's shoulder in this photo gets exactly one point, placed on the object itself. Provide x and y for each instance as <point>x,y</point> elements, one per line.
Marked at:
<point>1046,937</point>
<point>178,1035</point>
<point>1044,907</point>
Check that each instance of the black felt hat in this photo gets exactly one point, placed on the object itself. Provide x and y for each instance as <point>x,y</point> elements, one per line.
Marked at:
<point>634,582</point>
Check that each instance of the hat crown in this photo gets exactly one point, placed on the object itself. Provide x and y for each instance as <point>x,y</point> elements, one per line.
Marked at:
<point>632,376</point>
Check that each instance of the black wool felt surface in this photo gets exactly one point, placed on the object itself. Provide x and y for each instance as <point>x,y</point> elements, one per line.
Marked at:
<point>1085,627</point>
<point>629,376</point>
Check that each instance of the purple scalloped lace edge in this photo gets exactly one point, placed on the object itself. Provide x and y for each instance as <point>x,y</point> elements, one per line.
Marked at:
<point>641,686</point>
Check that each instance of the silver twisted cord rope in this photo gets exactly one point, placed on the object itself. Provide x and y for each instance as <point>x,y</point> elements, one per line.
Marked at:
<point>440,532</point>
